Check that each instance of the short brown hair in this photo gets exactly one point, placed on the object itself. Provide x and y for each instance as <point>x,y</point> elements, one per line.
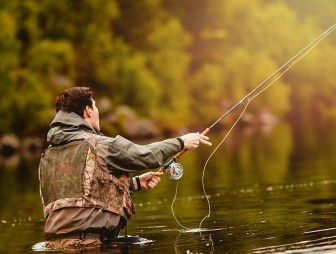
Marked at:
<point>75,100</point>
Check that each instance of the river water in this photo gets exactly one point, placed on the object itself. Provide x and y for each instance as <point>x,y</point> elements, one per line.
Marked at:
<point>269,191</point>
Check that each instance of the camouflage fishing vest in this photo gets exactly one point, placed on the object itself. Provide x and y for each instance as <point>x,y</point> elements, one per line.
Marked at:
<point>70,176</point>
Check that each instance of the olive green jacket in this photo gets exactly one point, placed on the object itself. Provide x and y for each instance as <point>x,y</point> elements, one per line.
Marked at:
<point>118,154</point>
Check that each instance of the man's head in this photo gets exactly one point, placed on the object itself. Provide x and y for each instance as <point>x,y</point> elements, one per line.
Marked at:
<point>79,100</point>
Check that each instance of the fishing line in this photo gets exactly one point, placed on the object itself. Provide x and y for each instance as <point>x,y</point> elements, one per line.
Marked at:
<point>172,207</point>
<point>228,133</point>
<point>175,170</point>
<point>249,100</point>
<point>207,161</point>
<point>203,174</point>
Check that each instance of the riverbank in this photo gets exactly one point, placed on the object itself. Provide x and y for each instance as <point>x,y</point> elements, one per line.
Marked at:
<point>128,125</point>
<point>11,144</point>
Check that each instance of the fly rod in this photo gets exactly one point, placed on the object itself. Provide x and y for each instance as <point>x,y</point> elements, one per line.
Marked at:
<point>175,170</point>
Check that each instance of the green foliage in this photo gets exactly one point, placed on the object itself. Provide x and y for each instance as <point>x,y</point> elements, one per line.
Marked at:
<point>169,64</point>
<point>48,58</point>
<point>206,88</point>
<point>9,45</point>
<point>180,62</point>
<point>162,40</point>
<point>321,12</point>
<point>9,51</point>
<point>134,84</point>
<point>25,106</point>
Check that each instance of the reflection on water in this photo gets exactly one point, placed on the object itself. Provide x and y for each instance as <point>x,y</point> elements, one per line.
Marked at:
<point>267,194</point>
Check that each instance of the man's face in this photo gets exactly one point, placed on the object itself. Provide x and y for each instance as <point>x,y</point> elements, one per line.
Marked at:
<point>95,116</point>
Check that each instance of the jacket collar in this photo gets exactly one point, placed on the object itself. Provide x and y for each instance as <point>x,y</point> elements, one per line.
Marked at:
<point>66,125</point>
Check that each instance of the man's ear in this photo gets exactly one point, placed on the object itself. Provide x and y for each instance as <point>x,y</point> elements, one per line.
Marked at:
<point>87,112</point>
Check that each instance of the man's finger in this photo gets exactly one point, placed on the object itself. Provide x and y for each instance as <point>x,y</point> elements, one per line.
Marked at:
<point>206,142</point>
<point>157,173</point>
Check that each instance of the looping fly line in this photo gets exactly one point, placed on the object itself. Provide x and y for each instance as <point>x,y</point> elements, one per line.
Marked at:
<point>249,97</point>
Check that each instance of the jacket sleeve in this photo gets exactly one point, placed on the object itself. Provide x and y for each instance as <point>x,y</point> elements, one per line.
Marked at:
<point>124,155</point>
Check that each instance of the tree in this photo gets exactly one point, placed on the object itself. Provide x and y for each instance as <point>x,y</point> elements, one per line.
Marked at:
<point>9,51</point>
<point>162,40</point>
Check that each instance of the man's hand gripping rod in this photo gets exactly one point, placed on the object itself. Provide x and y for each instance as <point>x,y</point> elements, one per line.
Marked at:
<point>175,170</point>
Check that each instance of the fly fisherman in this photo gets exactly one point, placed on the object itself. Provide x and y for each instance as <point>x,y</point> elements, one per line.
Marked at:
<point>85,181</point>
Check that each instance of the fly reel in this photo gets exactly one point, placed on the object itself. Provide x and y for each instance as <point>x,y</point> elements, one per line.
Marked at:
<point>175,171</point>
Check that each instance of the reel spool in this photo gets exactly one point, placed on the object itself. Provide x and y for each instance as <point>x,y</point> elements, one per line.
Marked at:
<point>175,171</point>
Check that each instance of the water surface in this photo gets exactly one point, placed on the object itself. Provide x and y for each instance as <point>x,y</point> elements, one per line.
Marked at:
<point>269,192</point>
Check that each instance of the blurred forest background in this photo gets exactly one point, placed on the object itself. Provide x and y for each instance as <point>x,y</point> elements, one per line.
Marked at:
<point>164,64</point>
<point>163,67</point>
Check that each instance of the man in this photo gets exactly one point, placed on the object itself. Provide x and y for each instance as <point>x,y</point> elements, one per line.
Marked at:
<point>84,176</point>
